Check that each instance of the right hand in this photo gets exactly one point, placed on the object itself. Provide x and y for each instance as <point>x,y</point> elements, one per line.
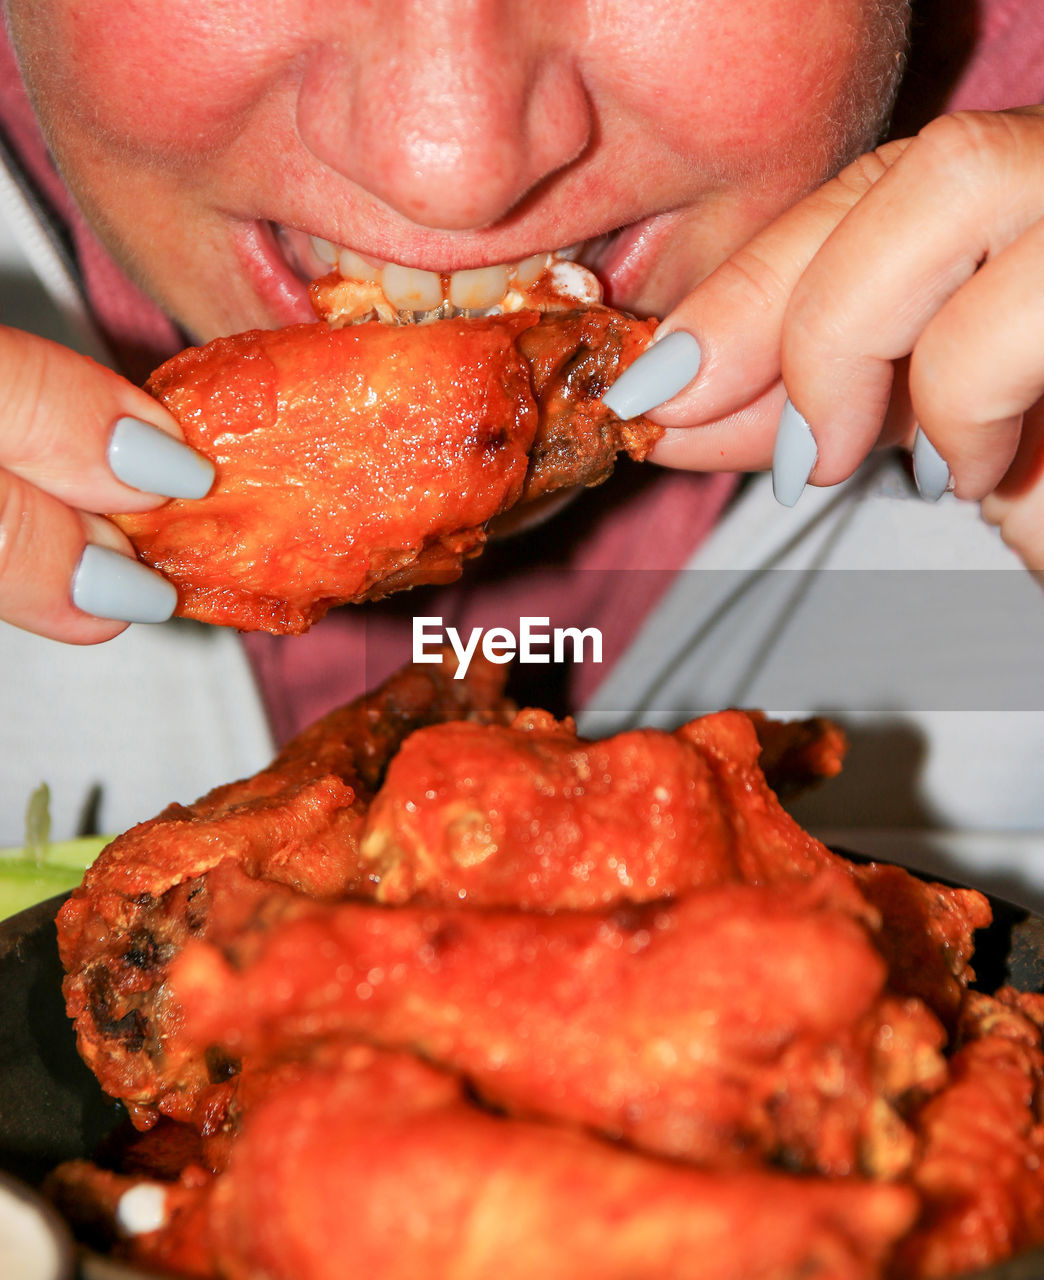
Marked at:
<point>58,412</point>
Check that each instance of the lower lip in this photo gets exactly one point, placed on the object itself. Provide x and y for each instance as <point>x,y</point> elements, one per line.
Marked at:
<point>281,291</point>
<point>623,266</point>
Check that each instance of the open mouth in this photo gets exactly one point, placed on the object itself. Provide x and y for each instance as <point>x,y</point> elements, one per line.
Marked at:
<point>348,287</point>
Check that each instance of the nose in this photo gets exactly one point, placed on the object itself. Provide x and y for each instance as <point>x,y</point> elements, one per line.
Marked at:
<point>448,113</point>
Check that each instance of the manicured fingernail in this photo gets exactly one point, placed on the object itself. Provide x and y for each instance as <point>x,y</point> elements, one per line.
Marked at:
<point>794,456</point>
<point>107,584</point>
<point>659,373</point>
<point>931,474</point>
<point>149,459</point>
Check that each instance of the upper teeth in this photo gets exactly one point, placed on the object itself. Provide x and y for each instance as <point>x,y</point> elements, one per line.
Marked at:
<point>393,291</point>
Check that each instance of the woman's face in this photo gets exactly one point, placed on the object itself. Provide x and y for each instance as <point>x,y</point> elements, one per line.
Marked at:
<point>208,139</point>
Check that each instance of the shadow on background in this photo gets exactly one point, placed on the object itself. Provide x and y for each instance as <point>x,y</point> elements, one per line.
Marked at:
<point>942,37</point>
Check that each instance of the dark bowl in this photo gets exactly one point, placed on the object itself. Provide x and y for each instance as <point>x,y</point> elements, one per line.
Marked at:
<point>51,1108</point>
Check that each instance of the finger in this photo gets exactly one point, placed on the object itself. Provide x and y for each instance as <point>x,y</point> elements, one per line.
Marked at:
<point>958,195</point>
<point>52,557</point>
<point>82,434</point>
<point>979,366</point>
<point>1016,506</point>
<point>736,317</point>
<point>739,441</point>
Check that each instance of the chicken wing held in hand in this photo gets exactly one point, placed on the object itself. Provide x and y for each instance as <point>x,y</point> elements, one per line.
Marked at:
<point>358,461</point>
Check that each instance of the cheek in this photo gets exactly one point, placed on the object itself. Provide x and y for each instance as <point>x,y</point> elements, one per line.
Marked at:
<point>745,84</point>
<point>147,76</point>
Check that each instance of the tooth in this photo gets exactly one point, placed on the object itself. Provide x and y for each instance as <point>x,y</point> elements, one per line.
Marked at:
<point>479,288</point>
<point>324,250</point>
<point>410,289</point>
<point>531,269</point>
<point>355,267</point>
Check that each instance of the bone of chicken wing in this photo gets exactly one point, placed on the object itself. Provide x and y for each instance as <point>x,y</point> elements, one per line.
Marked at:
<point>355,462</point>
<point>733,1024</point>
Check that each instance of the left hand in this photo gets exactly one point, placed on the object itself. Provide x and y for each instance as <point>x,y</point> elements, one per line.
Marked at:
<point>907,292</point>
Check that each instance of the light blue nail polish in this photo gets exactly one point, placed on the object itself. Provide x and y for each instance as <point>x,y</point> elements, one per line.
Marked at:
<point>931,474</point>
<point>149,459</point>
<point>659,373</point>
<point>107,584</point>
<point>794,456</point>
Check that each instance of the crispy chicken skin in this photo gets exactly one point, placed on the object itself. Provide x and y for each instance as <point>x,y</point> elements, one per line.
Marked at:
<point>632,1020</point>
<point>358,461</point>
<point>250,856</point>
<point>529,814</point>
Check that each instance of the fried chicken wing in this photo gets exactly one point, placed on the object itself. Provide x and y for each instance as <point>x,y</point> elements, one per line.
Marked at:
<point>531,815</point>
<point>981,1170</point>
<point>513,1199</point>
<point>798,754</point>
<point>698,1029</point>
<point>358,461</point>
<point>569,824</point>
<point>927,934</point>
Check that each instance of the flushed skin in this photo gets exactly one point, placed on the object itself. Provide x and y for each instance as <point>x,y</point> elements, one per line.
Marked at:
<point>445,136</point>
<point>358,461</point>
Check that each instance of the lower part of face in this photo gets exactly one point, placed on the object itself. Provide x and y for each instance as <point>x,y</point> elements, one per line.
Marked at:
<point>210,141</point>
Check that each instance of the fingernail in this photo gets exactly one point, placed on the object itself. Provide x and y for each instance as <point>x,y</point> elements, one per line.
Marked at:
<point>794,456</point>
<point>149,459</point>
<point>931,474</point>
<point>659,373</point>
<point>107,584</point>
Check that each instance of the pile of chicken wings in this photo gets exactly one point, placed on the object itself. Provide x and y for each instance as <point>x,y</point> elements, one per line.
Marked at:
<point>448,991</point>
